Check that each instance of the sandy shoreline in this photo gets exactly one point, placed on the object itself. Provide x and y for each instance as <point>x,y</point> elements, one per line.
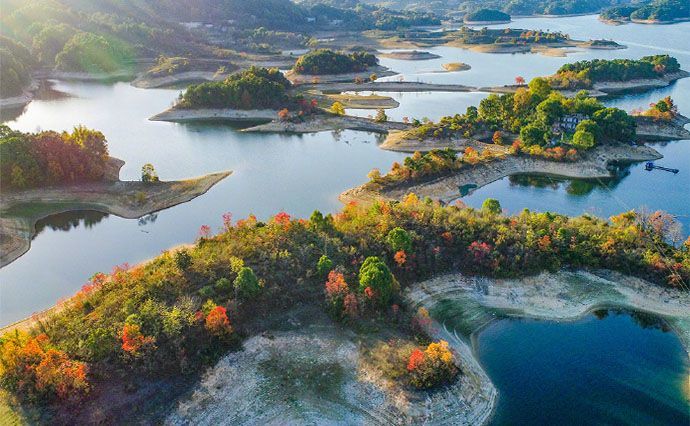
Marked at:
<point>298,79</point>
<point>127,199</point>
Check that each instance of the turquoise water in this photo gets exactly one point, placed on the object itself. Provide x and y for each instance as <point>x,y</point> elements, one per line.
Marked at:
<point>301,173</point>
<point>602,369</point>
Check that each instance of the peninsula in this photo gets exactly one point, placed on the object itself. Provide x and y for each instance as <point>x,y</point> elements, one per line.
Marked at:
<point>33,192</point>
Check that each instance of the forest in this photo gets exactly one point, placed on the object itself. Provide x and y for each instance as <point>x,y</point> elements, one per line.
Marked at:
<point>507,36</point>
<point>326,61</point>
<point>486,15</point>
<point>185,308</point>
<point>50,158</point>
<point>655,10</point>
<point>254,88</point>
<point>532,113</point>
<point>583,74</point>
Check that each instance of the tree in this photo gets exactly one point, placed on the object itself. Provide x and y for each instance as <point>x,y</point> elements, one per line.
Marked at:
<point>540,87</point>
<point>183,259</point>
<point>246,284</point>
<point>520,80</point>
<point>381,116</point>
<point>148,173</point>
<point>324,265</point>
<point>374,175</point>
<point>337,108</point>
<point>615,124</point>
<point>532,134</point>
<point>399,239</point>
<point>376,280</point>
<point>583,139</point>
<point>492,205</point>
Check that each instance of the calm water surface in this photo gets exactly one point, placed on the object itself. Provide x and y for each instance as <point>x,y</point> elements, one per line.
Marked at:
<point>301,173</point>
<point>592,371</point>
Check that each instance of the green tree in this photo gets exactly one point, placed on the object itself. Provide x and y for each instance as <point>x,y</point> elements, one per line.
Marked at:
<point>246,284</point>
<point>381,116</point>
<point>324,266</point>
<point>532,134</point>
<point>540,87</point>
<point>615,124</point>
<point>492,206</point>
<point>399,239</point>
<point>377,277</point>
<point>583,139</point>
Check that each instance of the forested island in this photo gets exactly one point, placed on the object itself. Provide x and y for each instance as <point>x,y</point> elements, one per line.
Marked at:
<point>534,130</point>
<point>486,16</point>
<point>139,329</point>
<point>48,172</point>
<point>325,61</point>
<point>652,12</point>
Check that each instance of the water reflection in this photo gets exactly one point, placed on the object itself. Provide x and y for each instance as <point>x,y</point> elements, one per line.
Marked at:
<point>67,221</point>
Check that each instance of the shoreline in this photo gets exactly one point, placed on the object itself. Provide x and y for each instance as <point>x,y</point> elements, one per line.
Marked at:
<point>126,199</point>
<point>445,187</point>
<point>301,79</point>
<point>561,296</point>
<point>328,122</point>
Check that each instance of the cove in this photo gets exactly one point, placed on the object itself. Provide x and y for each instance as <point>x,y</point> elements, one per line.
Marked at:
<point>609,367</point>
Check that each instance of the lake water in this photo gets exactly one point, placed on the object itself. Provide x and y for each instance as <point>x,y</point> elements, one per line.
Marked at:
<point>631,373</point>
<point>605,369</point>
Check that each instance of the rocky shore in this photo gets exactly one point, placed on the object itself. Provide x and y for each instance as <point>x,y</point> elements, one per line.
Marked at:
<point>561,296</point>
<point>129,199</point>
<point>324,122</point>
<point>183,114</point>
<point>445,187</point>
<point>410,55</point>
<point>619,87</point>
<point>298,79</point>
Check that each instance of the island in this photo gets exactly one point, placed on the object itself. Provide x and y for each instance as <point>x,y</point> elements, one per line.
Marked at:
<point>47,173</point>
<point>351,316</point>
<point>536,130</point>
<point>486,17</point>
<point>410,55</point>
<point>619,75</point>
<point>325,65</point>
<point>456,66</point>
<point>653,12</point>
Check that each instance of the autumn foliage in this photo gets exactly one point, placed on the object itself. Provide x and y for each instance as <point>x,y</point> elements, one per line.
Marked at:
<point>34,369</point>
<point>432,367</point>
<point>217,322</point>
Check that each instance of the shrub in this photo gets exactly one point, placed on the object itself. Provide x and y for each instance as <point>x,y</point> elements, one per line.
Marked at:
<point>492,205</point>
<point>432,367</point>
<point>246,284</point>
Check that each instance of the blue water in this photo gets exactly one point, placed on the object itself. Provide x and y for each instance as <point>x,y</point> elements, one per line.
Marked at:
<point>592,371</point>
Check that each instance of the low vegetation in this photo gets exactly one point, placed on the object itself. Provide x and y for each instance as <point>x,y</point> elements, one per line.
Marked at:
<point>665,110</point>
<point>51,158</point>
<point>325,61</point>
